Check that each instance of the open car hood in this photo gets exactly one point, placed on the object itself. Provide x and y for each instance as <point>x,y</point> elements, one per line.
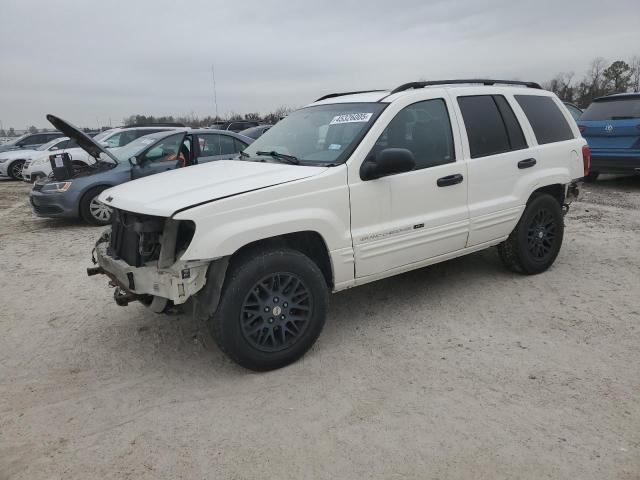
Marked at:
<point>165,193</point>
<point>83,140</point>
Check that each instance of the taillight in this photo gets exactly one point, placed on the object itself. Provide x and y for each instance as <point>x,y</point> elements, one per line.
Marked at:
<point>586,159</point>
<point>582,128</point>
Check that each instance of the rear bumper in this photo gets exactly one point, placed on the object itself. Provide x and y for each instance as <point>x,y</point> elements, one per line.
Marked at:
<point>615,162</point>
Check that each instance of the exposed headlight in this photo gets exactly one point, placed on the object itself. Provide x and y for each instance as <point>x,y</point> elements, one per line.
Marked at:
<point>56,187</point>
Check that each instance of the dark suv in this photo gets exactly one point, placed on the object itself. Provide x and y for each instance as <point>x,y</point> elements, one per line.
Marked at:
<point>30,140</point>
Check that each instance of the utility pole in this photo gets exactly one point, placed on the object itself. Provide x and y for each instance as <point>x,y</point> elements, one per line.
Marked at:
<point>215,98</point>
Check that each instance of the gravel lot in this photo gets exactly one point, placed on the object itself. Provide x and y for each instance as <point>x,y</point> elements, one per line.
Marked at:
<point>460,370</point>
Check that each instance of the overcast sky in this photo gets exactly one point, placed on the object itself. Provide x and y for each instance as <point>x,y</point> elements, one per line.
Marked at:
<point>89,60</point>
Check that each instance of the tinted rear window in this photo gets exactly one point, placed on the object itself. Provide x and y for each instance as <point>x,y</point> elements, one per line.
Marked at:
<point>613,110</point>
<point>485,129</point>
<point>547,120</point>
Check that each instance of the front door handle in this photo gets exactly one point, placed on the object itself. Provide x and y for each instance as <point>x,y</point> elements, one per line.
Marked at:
<point>528,163</point>
<point>450,180</point>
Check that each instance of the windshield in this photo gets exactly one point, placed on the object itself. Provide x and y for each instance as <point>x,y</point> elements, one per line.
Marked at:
<point>51,143</point>
<point>101,135</point>
<point>320,134</point>
<point>613,109</point>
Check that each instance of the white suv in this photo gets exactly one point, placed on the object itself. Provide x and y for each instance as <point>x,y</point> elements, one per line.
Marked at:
<point>349,189</point>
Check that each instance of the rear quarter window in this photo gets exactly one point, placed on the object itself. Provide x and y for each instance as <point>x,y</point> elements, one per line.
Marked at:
<point>547,120</point>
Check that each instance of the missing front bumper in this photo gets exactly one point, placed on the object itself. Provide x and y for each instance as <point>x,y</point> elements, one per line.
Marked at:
<point>176,283</point>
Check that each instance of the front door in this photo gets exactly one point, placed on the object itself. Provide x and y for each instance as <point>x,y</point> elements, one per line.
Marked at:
<point>410,217</point>
<point>167,154</point>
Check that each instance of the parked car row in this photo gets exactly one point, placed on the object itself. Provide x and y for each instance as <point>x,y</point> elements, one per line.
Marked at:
<point>119,156</point>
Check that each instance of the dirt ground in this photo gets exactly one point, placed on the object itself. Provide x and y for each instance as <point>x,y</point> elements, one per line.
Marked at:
<point>461,370</point>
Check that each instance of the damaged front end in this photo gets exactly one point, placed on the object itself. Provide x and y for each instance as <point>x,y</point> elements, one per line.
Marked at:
<point>141,255</point>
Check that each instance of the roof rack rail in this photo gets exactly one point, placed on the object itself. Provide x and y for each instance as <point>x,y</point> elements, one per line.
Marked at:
<point>483,81</point>
<point>333,95</point>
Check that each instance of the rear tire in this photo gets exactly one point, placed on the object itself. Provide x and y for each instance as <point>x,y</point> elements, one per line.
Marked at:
<point>592,177</point>
<point>272,308</point>
<point>535,243</point>
<point>15,169</point>
<point>92,211</point>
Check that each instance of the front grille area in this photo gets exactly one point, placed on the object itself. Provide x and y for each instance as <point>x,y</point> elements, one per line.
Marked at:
<point>46,209</point>
<point>135,238</point>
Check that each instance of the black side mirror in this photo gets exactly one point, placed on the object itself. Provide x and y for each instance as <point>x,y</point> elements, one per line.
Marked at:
<point>388,162</point>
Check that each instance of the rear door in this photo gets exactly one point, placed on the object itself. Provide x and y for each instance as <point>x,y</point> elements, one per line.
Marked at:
<point>498,160</point>
<point>217,146</point>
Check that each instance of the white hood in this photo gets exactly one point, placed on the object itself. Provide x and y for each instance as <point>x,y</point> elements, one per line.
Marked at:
<point>21,153</point>
<point>165,193</point>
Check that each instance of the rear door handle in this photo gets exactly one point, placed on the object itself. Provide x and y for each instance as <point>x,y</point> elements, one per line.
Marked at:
<point>450,180</point>
<point>528,163</point>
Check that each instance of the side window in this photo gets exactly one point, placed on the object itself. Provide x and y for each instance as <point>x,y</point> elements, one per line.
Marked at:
<point>34,140</point>
<point>486,130</point>
<point>227,146</point>
<point>239,146</point>
<point>60,145</point>
<point>546,119</point>
<point>209,145</point>
<point>514,130</point>
<point>425,129</point>
<point>167,150</point>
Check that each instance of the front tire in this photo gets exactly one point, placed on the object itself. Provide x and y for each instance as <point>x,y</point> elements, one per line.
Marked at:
<point>93,211</point>
<point>272,308</point>
<point>15,169</point>
<point>535,243</point>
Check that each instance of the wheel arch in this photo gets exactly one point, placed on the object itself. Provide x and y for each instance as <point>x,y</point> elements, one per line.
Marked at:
<point>307,242</point>
<point>556,190</point>
<point>86,190</point>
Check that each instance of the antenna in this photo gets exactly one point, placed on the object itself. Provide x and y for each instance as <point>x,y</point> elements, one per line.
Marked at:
<point>215,98</point>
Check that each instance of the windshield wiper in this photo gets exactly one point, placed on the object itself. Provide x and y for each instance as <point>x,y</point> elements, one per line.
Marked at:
<point>281,156</point>
<point>245,155</point>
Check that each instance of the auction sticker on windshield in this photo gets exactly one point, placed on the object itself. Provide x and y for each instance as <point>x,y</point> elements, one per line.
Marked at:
<point>351,118</point>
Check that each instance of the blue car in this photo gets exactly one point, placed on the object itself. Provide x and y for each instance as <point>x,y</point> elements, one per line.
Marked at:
<point>77,196</point>
<point>611,126</point>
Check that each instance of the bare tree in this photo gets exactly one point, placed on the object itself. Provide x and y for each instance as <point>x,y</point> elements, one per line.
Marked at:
<point>33,129</point>
<point>635,73</point>
<point>252,116</point>
<point>562,86</point>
